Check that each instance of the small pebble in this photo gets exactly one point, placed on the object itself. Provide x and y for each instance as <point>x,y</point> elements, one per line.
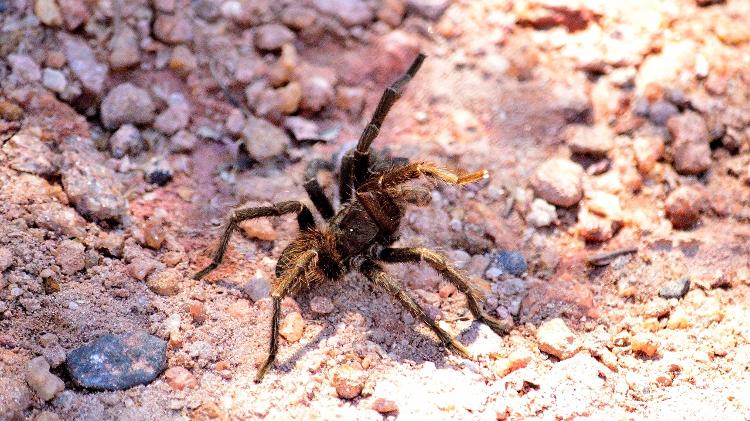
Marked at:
<point>127,104</point>
<point>154,234</point>
<point>321,305</point>
<point>349,380</point>
<point>46,416</point>
<point>261,229</point>
<point>645,343</point>
<point>257,287</point>
<point>508,262</point>
<point>542,214</point>
<point>198,312</point>
<point>675,289</point>
<point>559,182</point>
<point>292,327</point>
<point>179,378</point>
<point>45,384</point>
<point>6,258</point>
<point>383,405</point>
<point>239,309</point>
<point>683,207</point>
<point>71,256</point>
<point>555,338</point>
<point>166,282</point>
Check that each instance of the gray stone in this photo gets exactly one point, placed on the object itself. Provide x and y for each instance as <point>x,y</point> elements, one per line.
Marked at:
<point>127,103</point>
<point>116,362</point>
<point>263,140</point>
<point>349,12</point>
<point>93,189</point>
<point>272,36</point>
<point>675,289</point>
<point>258,287</point>
<point>83,63</point>
<point>54,80</point>
<point>431,9</point>
<point>508,262</point>
<point>24,68</point>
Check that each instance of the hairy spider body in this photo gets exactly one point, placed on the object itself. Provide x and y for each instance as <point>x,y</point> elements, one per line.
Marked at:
<point>373,198</point>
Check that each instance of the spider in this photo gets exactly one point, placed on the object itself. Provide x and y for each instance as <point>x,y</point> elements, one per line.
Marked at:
<point>358,236</point>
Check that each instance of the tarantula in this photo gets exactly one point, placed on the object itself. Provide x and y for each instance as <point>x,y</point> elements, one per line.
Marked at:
<point>358,235</point>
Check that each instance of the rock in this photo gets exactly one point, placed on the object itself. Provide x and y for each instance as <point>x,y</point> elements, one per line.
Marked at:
<point>292,327</point>
<point>271,36</point>
<point>159,173</point>
<point>235,122</point>
<point>173,29</point>
<point>261,229</point>
<point>60,219</point>
<point>648,150</point>
<point>74,13</point>
<point>302,129</point>
<point>587,140</point>
<point>198,312</point>
<point>27,153</point>
<point>179,378</point>
<point>126,141</point>
<point>124,49</point>
<point>348,12</point>
<point>298,17</point>
<point>263,140</point>
<point>54,80</point>
<point>48,12</point>
<point>604,204</point>
<point>349,380</point>
<point>542,214</point>
<point>554,338</point>
<point>559,181</point>
<point>6,258</point>
<point>54,354</point>
<point>183,141</point>
<point>317,92</point>
<point>661,111</point>
<point>644,343</point>
<point>141,267</point>
<point>24,68</point>
<point>383,405</point>
<point>83,64</point>
<point>392,12</point>
<point>675,289</point>
<point>257,287</point>
<point>692,158</point>
<point>127,104</point>
<point>321,305</point>
<point>508,262</point>
<point>117,362</point>
<point>70,256</point>
<point>430,9</point>
<point>247,12</point>
<point>240,309</point>
<point>683,207</point>
<point>93,190</point>
<point>166,282</point>
<point>175,117</point>
<point>183,61</point>
<point>594,228</point>
<point>45,384</point>
<point>153,233</point>
<point>10,111</point>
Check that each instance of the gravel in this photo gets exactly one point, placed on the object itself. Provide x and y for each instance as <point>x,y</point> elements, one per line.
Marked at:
<point>683,207</point>
<point>126,140</point>
<point>124,49</point>
<point>83,63</point>
<point>45,384</point>
<point>555,338</point>
<point>70,256</point>
<point>263,140</point>
<point>589,140</point>
<point>93,189</point>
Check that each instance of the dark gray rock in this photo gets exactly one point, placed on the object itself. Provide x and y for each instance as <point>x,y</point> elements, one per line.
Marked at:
<point>117,362</point>
<point>675,289</point>
<point>508,262</point>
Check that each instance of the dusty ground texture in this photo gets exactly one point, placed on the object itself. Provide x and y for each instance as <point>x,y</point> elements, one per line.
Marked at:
<point>127,136</point>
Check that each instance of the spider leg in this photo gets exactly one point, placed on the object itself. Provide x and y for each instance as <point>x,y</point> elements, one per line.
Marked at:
<point>355,164</point>
<point>304,218</point>
<point>287,283</point>
<point>441,265</point>
<point>414,170</point>
<point>313,189</point>
<point>377,275</point>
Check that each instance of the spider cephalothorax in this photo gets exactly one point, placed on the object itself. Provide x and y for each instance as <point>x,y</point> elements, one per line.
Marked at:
<point>358,235</point>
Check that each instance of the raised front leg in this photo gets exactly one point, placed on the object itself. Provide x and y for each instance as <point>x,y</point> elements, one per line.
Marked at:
<point>355,163</point>
<point>441,265</point>
<point>304,218</point>
<point>377,275</point>
<point>400,175</point>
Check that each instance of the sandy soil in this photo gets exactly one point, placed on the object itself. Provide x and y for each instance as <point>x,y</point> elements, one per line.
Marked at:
<point>88,246</point>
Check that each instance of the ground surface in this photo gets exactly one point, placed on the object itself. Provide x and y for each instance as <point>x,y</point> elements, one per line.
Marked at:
<point>605,127</point>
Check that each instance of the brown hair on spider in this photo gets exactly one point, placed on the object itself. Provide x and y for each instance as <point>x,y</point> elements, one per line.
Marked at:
<point>358,236</point>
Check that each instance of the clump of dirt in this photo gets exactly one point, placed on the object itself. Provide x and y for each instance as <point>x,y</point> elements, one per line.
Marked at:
<point>613,229</point>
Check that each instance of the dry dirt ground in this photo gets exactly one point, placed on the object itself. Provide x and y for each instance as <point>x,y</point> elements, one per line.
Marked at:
<point>605,126</point>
